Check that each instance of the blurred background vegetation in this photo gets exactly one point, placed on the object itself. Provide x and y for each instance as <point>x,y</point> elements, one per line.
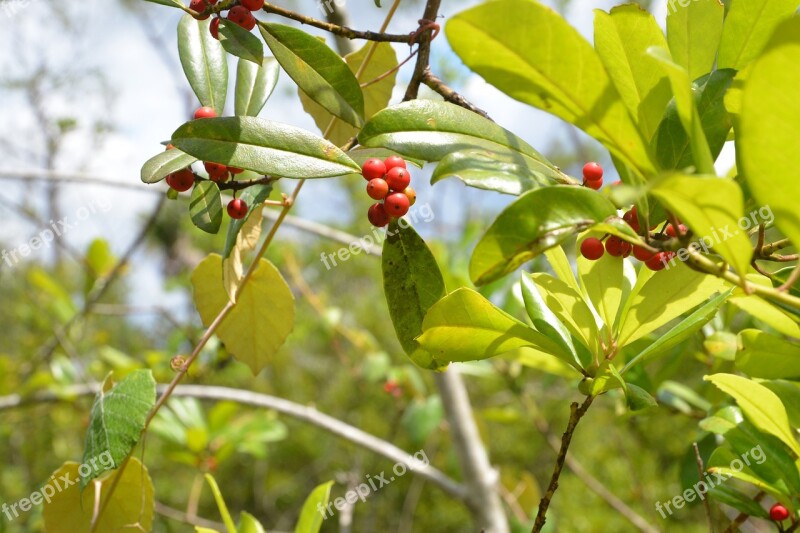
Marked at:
<point>113,295</point>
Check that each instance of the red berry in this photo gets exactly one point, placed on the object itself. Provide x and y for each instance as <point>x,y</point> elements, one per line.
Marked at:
<point>390,386</point>
<point>205,112</point>
<point>659,261</point>
<point>252,5</point>
<point>671,230</point>
<point>412,195</point>
<point>592,249</point>
<point>241,15</point>
<point>170,146</point>
<point>214,28</point>
<point>181,180</point>
<point>237,209</point>
<point>593,184</point>
<point>377,189</point>
<point>216,172</point>
<point>632,218</point>
<point>617,247</point>
<point>642,254</point>
<point>373,168</point>
<point>592,172</point>
<point>397,204</point>
<point>234,170</point>
<point>200,6</point>
<point>394,161</point>
<point>778,512</point>
<point>377,215</point>
<point>398,178</point>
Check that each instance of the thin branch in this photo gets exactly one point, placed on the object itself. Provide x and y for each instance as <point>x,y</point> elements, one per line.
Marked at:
<point>423,57</point>
<point>438,86</point>
<point>741,518</point>
<point>304,413</point>
<point>576,413</point>
<point>335,29</point>
<point>791,280</point>
<point>180,516</point>
<point>700,472</point>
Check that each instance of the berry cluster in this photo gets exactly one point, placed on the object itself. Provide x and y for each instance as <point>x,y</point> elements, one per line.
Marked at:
<point>184,179</point>
<point>592,175</point>
<point>388,180</point>
<point>241,14</point>
<point>593,248</point>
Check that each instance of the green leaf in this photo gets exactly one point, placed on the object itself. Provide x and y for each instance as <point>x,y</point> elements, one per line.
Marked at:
<point>205,207</point>
<point>310,518</point>
<point>603,281</point>
<point>536,221</point>
<point>766,356</point>
<point>775,317</point>
<point>162,165</point>
<point>621,39</point>
<point>254,85</point>
<point>262,318</point>
<point>738,500</point>
<point>421,418</point>
<point>465,326</point>
<point>571,309</point>
<point>712,208</point>
<point>263,146</point>
<point>376,95</point>
<point>493,171</point>
<point>412,283</point>
<point>430,130</point>
<point>240,42</point>
<point>680,332</point>
<point>693,31</point>
<point>249,524</point>
<point>664,297</point>
<point>638,398</point>
<point>761,406</point>
<point>768,141</point>
<point>254,196</point>
<point>567,80</point>
<point>671,143</point>
<point>204,62</point>
<point>317,70</point>
<point>562,268</point>
<point>748,26</point>
<point>117,420</point>
<point>687,110</point>
<point>223,508</point>
<point>71,508</point>
<point>543,319</point>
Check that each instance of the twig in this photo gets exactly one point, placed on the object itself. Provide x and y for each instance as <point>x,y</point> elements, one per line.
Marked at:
<point>791,280</point>
<point>180,516</point>
<point>576,413</point>
<point>294,410</point>
<point>335,29</point>
<point>700,471</point>
<point>424,55</point>
<point>438,86</point>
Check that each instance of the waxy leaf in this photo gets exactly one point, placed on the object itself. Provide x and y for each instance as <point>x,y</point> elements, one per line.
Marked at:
<point>766,356</point>
<point>412,283</point>
<point>693,31</point>
<point>266,147</point>
<point>536,221</point>
<point>748,27</point>
<point>493,171</point>
<point>317,70</point>
<point>204,62</point>
<point>310,517</point>
<point>240,42</point>
<point>205,207</point>
<point>162,165</point>
<point>253,196</point>
<point>254,85</point>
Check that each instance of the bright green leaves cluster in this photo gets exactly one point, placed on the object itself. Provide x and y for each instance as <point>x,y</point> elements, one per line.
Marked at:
<point>694,30</point>
<point>768,138</point>
<point>567,80</point>
<point>260,320</point>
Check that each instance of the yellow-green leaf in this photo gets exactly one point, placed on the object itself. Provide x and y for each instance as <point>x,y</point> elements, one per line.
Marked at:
<point>261,319</point>
<point>766,356</point>
<point>748,26</point>
<point>693,31</point>
<point>760,405</point>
